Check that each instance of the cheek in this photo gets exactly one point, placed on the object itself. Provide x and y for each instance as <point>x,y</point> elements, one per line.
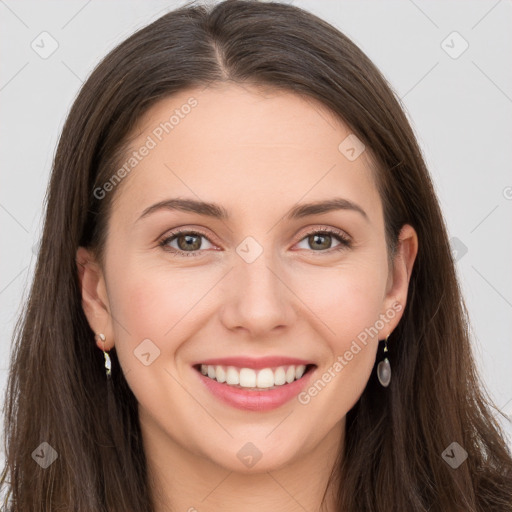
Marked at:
<point>152,299</point>
<point>347,304</point>
<point>346,300</point>
<point>156,303</point>
<point>151,319</point>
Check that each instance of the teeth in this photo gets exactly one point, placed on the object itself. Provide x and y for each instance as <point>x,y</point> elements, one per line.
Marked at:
<point>220,374</point>
<point>279,376</point>
<point>265,378</point>
<point>232,377</point>
<point>248,378</point>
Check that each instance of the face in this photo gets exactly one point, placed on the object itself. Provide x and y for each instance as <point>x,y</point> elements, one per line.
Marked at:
<point>181,288</point>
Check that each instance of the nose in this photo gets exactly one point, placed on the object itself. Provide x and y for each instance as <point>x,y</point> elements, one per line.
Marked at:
<point>257,298</point>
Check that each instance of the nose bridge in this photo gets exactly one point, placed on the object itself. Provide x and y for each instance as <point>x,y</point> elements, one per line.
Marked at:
<point>258,276</point>
<point>259,299</point>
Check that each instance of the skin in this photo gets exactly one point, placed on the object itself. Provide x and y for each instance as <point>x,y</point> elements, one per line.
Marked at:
<point>257,153</point>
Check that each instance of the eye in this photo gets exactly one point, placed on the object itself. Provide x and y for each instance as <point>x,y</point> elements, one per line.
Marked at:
<point>320,239</point>
<point>189,243</point>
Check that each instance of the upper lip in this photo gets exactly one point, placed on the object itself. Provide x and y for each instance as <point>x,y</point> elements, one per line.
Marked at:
<point>255,363</point>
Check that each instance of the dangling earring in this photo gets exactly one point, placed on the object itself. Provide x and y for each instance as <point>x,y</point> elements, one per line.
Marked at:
<point>108,364</point>
<point>384,368</point>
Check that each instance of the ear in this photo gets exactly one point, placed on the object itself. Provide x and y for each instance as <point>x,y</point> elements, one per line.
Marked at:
<point>94,297</point>
<point>399,277</point>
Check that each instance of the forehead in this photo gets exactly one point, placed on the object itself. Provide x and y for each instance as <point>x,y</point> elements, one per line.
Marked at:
<point>229,141</point>
<point>251,114</point>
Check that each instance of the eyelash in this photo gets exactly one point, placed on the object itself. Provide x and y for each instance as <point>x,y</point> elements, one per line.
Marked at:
<point>345,243</point>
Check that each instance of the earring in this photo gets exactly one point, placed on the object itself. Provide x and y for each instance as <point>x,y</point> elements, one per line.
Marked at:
<point>384,368</point>
<point>108,364</point>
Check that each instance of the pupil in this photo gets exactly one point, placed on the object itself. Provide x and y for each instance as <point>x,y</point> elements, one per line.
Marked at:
<point>316,237</point>
<point>189,242</point>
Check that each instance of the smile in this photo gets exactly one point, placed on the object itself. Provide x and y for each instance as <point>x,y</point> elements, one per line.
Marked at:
<point>248,378</point>
<point>251,389</point>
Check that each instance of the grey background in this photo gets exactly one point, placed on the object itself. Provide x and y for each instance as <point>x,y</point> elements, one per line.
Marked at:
<point>460,107</point>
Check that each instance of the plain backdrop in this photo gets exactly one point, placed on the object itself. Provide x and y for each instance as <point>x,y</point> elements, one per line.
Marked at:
<point>448,62</point>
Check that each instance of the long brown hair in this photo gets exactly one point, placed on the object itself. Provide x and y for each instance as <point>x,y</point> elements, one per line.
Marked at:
<point>395,437</point>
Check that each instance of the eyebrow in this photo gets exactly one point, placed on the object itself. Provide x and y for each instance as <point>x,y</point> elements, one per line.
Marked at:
<point>219,212</point>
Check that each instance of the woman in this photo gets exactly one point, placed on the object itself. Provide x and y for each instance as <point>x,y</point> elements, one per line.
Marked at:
<point>245,297</point>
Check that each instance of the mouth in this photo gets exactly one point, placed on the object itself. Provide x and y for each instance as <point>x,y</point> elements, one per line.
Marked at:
<point>250,379</point>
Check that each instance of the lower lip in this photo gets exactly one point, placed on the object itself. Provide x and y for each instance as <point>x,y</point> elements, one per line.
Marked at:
<point>256,400</point>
